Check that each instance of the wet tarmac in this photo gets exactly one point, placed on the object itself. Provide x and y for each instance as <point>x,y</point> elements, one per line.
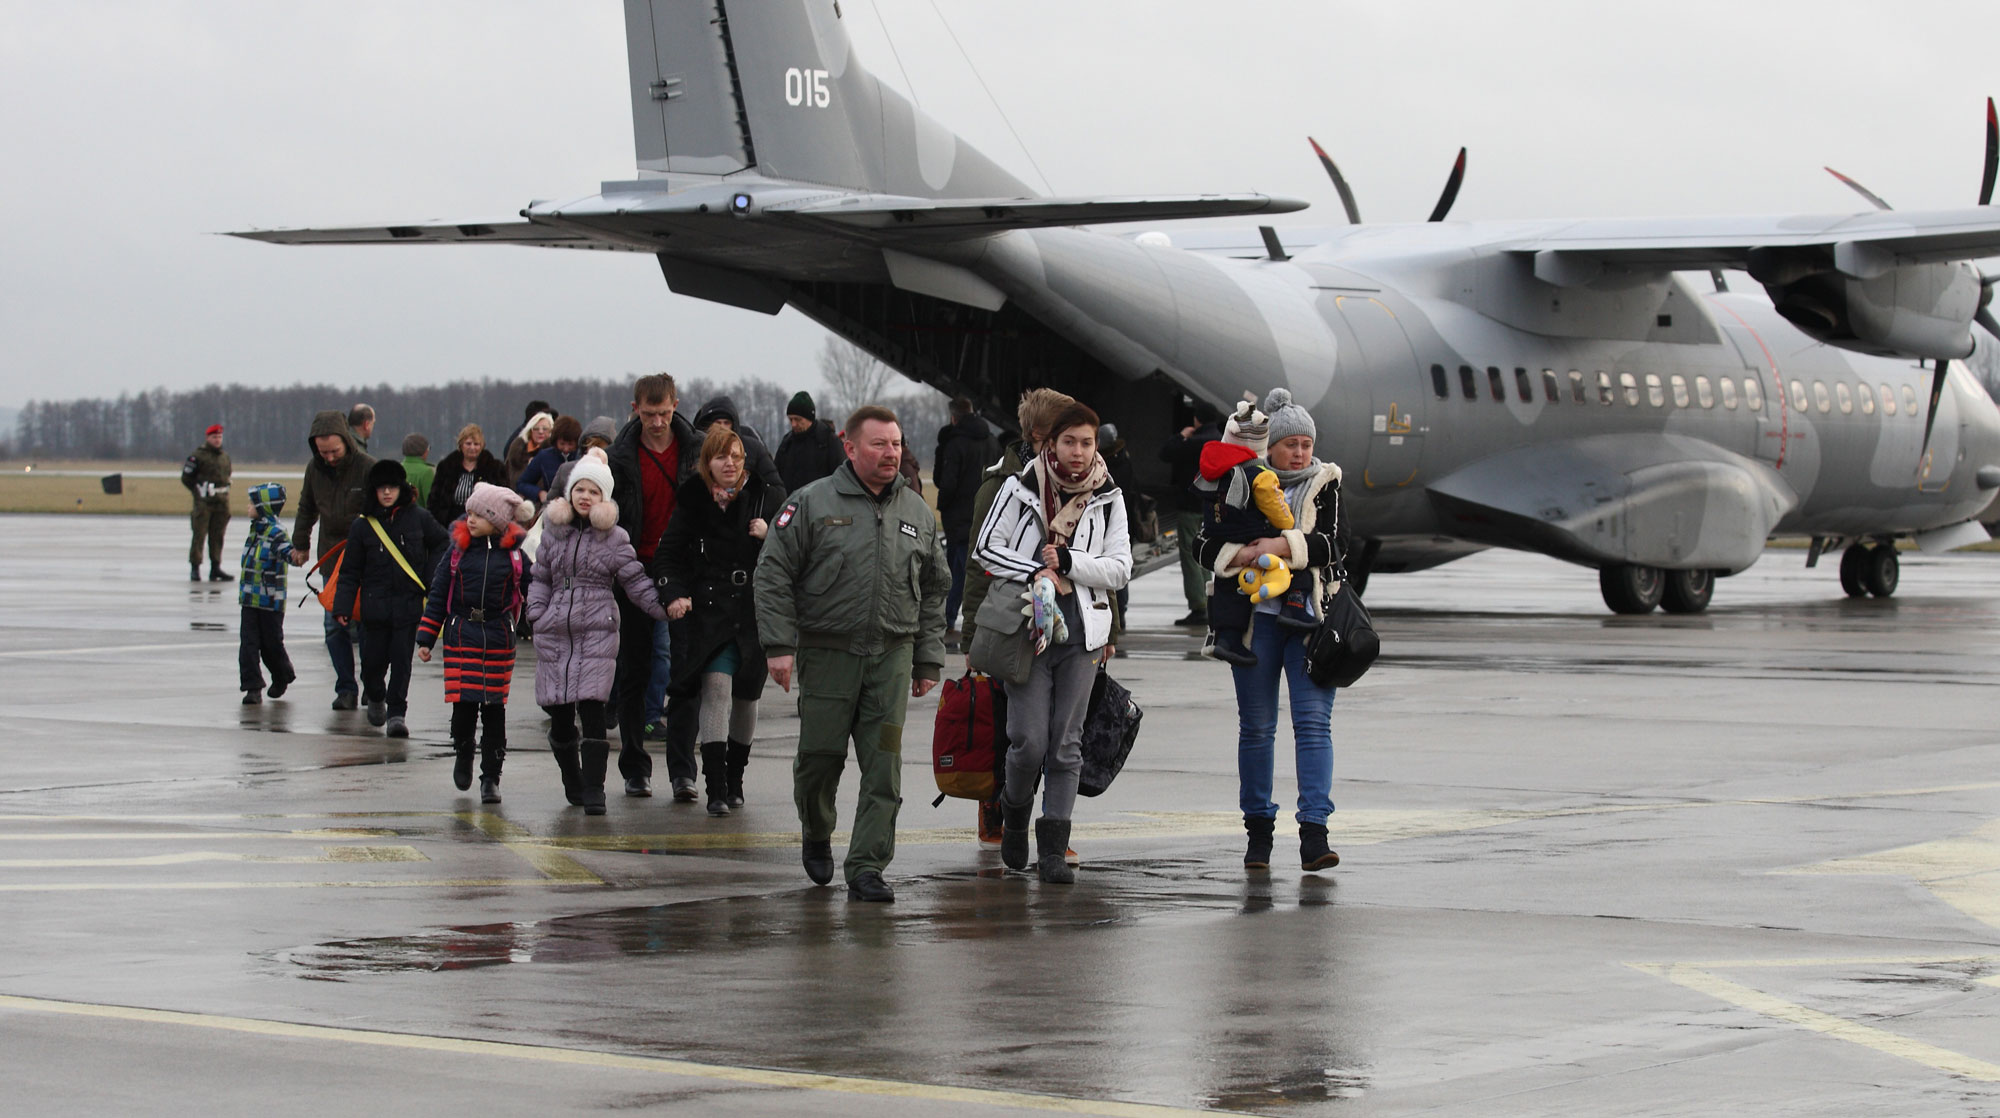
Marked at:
<point>1746,862</point>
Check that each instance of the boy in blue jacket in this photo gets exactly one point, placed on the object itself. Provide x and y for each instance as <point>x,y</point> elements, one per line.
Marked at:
<point>261,593</point>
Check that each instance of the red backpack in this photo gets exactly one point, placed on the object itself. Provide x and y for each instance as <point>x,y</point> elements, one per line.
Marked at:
<point>969,741</point>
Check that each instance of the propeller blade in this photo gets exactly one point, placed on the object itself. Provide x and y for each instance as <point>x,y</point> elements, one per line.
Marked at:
<point>1339,182</point>
<point>1937,393</point>
<point>1451,185</point>
<point>1873,198</point>
<point>1985,318</point>
<point>1992,155</point>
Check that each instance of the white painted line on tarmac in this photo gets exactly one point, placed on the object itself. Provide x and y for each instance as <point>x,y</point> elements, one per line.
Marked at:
<point>761,1077</point>
<point>37,653</point>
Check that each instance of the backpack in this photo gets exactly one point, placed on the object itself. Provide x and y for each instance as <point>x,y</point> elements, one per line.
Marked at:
<point>969,741</point>
<point>513,584</point>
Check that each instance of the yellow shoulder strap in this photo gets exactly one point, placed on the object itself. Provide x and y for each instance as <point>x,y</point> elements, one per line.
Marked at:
<point>383,534</point>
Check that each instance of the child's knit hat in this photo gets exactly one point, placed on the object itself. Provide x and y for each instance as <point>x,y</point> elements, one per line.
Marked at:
<point>1248,427</point>
<point>590,466</point>
<point>498,505</point>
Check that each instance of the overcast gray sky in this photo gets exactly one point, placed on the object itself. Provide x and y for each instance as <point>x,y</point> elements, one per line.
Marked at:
<point>135,129</point>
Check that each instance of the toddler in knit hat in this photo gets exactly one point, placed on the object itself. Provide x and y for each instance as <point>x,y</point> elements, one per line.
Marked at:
<point>1242,501</point>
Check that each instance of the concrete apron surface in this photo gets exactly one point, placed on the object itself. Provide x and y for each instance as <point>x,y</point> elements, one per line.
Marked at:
<point>1744,862</point>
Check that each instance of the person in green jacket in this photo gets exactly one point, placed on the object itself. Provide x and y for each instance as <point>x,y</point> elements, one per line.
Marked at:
<point>417,467</point>
<point>850,592</point>
<point>206,475</point>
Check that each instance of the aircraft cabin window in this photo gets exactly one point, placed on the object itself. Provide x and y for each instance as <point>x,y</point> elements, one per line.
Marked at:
<point>1888,400</point>
<point>1843,397</point>
<point>1821,399</point>
<point>1679,384</point>
<point>1550,389</point>
<point>1654,396</point>
<point>1604,395</point>
<point>1496,384</point>
<point>1466,383</point>
<point>1523,387</point>
<point>1439,383</point>
<point>1909,400</point>
<point>1798,395</point>
<point>1728,387</point>
<point>1753,394</point>
<point>1867,395</point>
<point>1576,389</point>
<point>1630,384</point>
<point>1703,394</point>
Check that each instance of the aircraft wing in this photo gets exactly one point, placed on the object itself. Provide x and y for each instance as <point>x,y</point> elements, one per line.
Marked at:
<point>454,233</point>
<point>1874,241</point>
<point>994,214</point>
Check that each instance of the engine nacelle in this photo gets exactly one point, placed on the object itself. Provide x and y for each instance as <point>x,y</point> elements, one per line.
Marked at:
<point>1870,305</point>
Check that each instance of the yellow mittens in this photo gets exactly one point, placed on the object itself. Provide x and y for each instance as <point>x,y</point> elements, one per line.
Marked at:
<point>1270,498</point>
<point>1265,578</point>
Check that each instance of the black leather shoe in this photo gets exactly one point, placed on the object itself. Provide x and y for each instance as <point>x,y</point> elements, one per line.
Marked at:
<point>869,886</point>
<point>684,791</point>
<point>345,700</point>
<point>638,786</point>
<point>489,790</point>
<point>252,697</point>
<point>278,687</point>
<point>818,859</point>
<point>378,712</point>
<point>217,574</point>
<point>1194,619</point>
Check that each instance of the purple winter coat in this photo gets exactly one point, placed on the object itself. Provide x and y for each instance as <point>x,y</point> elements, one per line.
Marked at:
<point>571,604</point>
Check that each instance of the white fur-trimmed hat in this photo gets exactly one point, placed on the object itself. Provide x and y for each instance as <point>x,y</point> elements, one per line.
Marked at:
<point>590,467</point>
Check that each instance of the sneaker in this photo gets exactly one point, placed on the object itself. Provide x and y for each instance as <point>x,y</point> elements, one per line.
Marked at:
<point>378,712</point>
<point>989,823</point>
<point>346,700</point>
<point>654,731</point>
<point>252,697</point>
<point>1071,856</point>
<point>397,727</point>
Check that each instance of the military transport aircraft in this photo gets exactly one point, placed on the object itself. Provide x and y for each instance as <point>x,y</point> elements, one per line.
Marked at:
<point>1576,388</point>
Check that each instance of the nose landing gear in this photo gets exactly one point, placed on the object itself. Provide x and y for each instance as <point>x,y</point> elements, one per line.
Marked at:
<point>1870,570</point>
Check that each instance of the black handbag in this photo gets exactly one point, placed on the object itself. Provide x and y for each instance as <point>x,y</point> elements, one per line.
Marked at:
<point>1344,646</point>
<point>1110,726</point>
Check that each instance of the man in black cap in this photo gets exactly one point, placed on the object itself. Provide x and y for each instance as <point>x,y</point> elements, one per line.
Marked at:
<point>812,450</point>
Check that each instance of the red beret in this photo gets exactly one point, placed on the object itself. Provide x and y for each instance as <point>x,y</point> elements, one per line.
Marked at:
<point>213,429</point>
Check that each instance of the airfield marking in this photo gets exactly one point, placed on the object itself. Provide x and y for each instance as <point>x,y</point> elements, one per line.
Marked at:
<point>556,865</point>
<point>38,653</point>
<point>1698,977</point>
<point>761,1077</point>
<point>1963,871</point>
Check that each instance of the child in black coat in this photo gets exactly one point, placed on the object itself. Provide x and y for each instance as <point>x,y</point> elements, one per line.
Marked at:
<point>384,575</point>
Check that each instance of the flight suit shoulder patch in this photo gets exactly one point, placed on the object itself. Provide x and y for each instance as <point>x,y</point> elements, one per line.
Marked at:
<point>785,517</point>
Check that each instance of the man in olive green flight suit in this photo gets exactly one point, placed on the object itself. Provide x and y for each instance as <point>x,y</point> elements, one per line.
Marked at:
<point>850,595</point>
<point>206,475</point>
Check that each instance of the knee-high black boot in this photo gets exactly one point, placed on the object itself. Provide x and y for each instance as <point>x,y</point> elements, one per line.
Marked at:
<point>492,755</point>
<point>568,762</point>
<point>715,772</point>
<point>596,756</point>
<point>739,759</point>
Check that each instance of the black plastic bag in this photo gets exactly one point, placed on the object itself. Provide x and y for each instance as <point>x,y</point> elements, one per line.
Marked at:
<point>1110,726</point>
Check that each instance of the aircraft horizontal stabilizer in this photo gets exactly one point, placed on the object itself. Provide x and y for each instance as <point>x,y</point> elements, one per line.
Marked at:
<point>467,233</point>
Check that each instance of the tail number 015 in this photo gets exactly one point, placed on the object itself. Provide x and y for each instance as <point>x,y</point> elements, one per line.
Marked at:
<point>807,87</point>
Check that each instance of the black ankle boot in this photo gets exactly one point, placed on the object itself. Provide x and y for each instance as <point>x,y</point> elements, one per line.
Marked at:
<point>739,759</point>
<point>715,773</point>
<point>194,572</point>
<point>1313,854</point>
<point>568,763</point>
<point>492,757</point>
<point>817,854</point>
<point>1257,855</point>
<point>596,757</point>
<point>217,574</point>
<point>461,769</point>
<point>1051,850</point>
<point>1014,834</point>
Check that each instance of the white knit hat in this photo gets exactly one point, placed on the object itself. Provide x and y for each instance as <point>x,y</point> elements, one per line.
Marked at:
<point>590,467</point>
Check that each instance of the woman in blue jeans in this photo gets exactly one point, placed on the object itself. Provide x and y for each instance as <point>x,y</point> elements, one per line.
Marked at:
<point>1278,633</point>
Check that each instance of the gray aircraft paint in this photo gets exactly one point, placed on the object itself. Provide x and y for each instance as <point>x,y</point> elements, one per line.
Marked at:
<point>769,156</point>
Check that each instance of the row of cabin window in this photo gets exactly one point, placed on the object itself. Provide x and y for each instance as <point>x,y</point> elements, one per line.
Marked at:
<point>1705,393</point>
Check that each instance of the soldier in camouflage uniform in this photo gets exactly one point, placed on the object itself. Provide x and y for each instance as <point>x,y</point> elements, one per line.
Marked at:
<point>206,475</point>
<point>850,593</point>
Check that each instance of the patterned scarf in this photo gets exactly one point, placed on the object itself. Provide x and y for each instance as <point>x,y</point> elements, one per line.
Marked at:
<point>1064,495</point>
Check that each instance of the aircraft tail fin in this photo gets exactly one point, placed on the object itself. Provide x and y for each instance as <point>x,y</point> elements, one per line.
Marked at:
<point>725,86</point>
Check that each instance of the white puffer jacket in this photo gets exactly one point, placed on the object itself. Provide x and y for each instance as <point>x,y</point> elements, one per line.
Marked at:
<point>1099,559</point>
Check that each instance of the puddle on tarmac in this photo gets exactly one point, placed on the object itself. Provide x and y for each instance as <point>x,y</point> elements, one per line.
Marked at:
<point>969,906</point>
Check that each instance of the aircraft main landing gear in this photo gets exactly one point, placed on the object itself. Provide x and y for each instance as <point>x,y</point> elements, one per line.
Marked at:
<point>1870,570</point>
<point>1688,591</point>
<point>1629,588</point>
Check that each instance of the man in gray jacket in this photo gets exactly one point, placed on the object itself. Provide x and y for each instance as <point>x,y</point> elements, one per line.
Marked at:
<point>850,594</point>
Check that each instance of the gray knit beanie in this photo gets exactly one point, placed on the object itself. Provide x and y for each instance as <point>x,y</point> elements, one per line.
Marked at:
<point>1287,418</point>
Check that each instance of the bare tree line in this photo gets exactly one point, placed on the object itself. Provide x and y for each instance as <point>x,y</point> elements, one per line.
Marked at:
<point>269,424</point>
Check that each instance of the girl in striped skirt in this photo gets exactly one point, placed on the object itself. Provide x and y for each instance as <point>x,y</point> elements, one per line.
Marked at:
<point>475,600</point>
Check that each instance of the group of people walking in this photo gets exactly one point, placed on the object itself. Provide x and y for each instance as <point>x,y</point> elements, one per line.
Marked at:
<point>666,568</point>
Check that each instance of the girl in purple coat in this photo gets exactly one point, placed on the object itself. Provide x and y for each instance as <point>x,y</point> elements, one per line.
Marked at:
<point>584,557</point>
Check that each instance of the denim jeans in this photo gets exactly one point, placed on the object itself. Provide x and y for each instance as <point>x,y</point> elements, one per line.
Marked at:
<point>340,643</point>
<point>955,556</point>
<point>1282,651</point>
<point>663,673</point>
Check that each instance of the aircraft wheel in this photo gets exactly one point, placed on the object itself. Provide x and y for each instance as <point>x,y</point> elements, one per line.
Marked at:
<point>1852,562</point>
<point>1687,591</point>
<point>1629,588</point>
<point>1882,571</point>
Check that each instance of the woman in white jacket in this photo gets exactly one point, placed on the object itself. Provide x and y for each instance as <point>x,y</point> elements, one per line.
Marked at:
<point>1062,519</point>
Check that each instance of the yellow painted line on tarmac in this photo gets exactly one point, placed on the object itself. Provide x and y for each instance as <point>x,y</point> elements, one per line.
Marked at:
<point>559,867</point>
<point>1854,1032</point>
<point>1962,870</point>
<point>577,1057</point>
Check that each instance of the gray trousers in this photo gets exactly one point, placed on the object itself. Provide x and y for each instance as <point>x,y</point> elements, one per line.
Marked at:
<point>1045,724</point>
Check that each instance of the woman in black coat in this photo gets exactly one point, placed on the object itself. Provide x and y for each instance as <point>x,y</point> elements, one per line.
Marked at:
<point>458,473</point>
<point>705,561</point>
